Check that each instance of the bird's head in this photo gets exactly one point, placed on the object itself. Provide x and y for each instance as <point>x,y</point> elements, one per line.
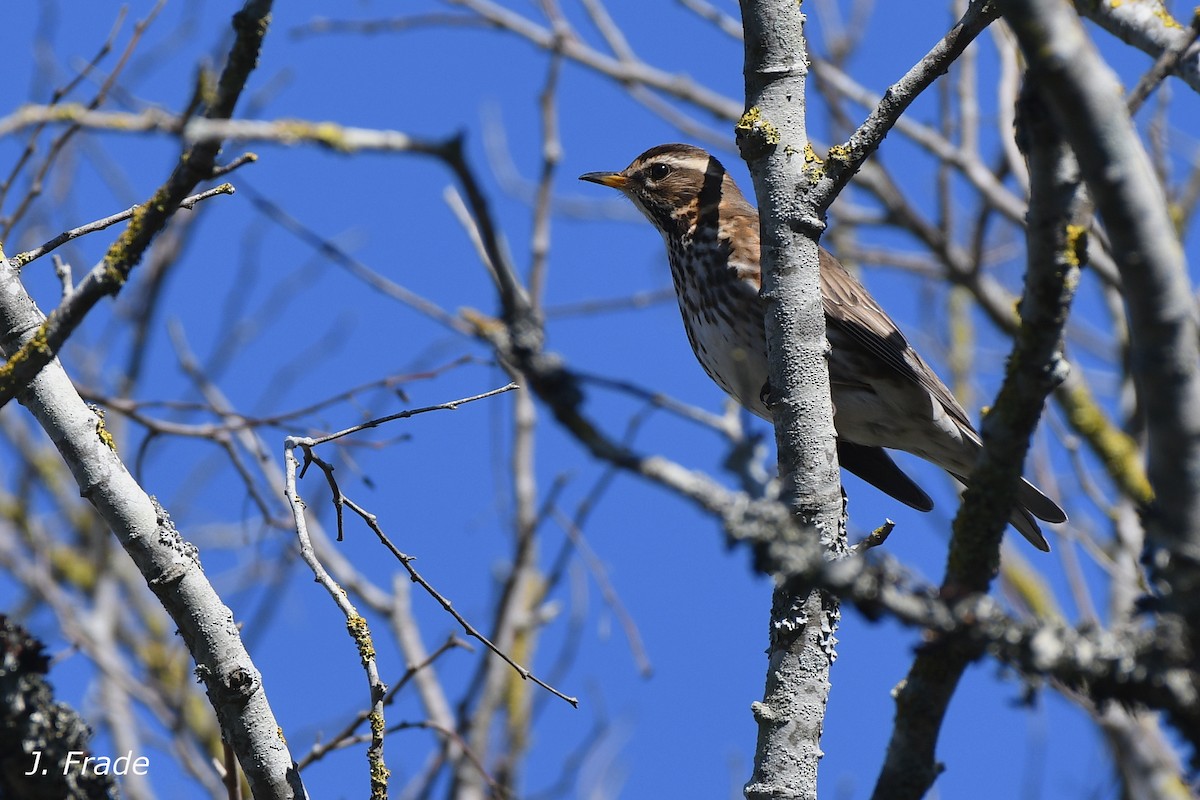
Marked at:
<point>674,185</point>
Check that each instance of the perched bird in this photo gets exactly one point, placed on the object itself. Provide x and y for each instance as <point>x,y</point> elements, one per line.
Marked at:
<point>884,394</point>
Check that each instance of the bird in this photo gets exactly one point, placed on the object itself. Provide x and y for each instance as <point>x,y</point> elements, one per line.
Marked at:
<point>884,394</point>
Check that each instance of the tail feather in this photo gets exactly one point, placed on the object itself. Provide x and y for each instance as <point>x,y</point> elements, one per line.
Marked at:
<point>1033,502</point>
<point>1022,519</point>
<point>875,466</point>
<point>1038,504</point>
<point>1032,505</point>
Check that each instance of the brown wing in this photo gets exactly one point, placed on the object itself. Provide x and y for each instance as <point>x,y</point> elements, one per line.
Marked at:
<point>851,310</point>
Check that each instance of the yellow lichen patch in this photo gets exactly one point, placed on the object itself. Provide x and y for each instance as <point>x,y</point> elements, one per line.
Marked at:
<point>119,260</point>
<point>206,87</point>
<point>483,324</point>
<point>1164,16</point>
<point>1178,212</point>
<point>1076,244</point>
<point>1028,584</point>
<point>753,122</point>
<point>379,779</point>
<point>73,568</point>
<point>840,152</point>
<point>810,155</point>
<point>749,119</point>
<point>39,343</point>
<point>1116,449</point>
<point>114,274</point>
<point>375,719</point>
<point>362,637</point>
<point>102,432</point>
<point>329,134</point>
<point>67,112</point>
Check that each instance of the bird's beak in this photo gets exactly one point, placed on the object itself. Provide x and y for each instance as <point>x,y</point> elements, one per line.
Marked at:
<point>612,179</point>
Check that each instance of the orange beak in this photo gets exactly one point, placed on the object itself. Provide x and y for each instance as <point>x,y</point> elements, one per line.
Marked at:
<point>614,180</point>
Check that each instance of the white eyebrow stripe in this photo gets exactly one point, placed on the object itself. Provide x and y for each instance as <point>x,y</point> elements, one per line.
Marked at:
<point>685,162</point>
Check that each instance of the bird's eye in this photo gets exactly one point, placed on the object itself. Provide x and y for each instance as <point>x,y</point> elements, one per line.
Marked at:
<point>659,171</point>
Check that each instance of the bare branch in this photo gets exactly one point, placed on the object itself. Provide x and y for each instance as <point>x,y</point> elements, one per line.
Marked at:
<point>1058,214</point>
<point>1146,25</point>
<point>898,97</point>
<point>195,165</point>
<point>1164,335</point>
<point>21,259</point>
<point>356,625</point>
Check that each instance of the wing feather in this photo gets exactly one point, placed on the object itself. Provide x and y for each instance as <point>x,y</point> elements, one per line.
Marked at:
<point>851,310</point>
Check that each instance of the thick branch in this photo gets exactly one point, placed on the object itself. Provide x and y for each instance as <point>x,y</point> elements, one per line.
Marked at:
<point>1057,214</point>
<point>1146,25</point>
<point>169,564</point>
<point>1165,343</point>
<point>773,140</point>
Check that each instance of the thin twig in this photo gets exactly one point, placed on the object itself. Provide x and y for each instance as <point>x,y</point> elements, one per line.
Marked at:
<point>21,259</point>
<point>406,561</point>
<point>225,169</point>
<point>356,625</point>
<point>60,142</point>
<point>57,95</point>
<point>411,412</point>
<point>341,501</point>
<point>609,592</point>
<point>356,268</point>
<point>232,421</point>
<point>875,537</point>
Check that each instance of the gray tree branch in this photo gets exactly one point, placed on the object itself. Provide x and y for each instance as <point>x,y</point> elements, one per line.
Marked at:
<point>804,619</point>
<point>1057,216</point>
<point>170,565</point>
<point>1164,336</point>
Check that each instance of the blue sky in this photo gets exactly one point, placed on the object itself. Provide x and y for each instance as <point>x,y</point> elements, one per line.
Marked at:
<point>441,491</point>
